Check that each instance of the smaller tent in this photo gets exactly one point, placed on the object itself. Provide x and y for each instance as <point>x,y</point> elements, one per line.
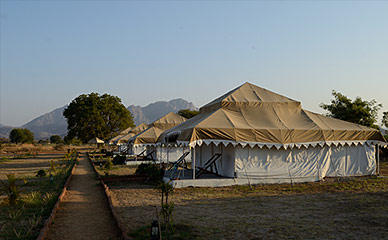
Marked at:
<point>140,128</point>
<point>96,141</point>
<point>120,135</point>
<point>147,140</point>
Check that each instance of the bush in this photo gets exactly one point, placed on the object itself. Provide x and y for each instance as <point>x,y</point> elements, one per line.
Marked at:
<point>41,173</point>
<point>119,160</point>
<point>152,171</point>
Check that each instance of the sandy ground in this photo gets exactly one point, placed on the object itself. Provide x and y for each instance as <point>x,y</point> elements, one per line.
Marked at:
<point>219,213</point>
<point>84,212</point>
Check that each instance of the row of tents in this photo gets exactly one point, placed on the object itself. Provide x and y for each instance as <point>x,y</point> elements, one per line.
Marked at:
<point>252,135</point>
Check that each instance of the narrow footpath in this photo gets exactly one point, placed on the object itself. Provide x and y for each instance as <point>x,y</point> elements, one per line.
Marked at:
<point>84,212</point>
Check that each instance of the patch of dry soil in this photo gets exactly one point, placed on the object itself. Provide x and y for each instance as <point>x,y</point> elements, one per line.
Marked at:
<point>84,212</point>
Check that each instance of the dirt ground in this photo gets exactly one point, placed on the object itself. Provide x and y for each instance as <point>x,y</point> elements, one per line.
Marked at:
<point>84,212</point>
<point>346,209</point>
<point>27,167</point>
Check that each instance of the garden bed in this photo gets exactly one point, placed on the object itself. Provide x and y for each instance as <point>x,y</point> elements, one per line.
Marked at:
<point>38,195</point>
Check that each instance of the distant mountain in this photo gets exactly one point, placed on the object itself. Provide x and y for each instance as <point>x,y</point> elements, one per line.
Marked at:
<point>155,110</point>
<point>54,123</point>
<point>46,125</point>
<point>5,130</point>
<point>138,115</point>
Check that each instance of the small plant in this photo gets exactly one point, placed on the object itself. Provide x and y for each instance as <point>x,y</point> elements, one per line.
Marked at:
<point>48,197</point>
<point>4,159</point>
<point>167,208</point>
<point>108,164</point>
<point>53,166</point>
<point>41,173</point>
<point>12,190</point>
<point>28,227</point>
<point>152,171</point>
<point>33,198</point>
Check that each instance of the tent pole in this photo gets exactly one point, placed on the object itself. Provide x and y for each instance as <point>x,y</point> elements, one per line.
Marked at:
<point>193,162</point>
<point>378,160</point>
<point>160,155</point>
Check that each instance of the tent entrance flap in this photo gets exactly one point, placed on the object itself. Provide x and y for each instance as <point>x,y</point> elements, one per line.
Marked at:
<point>209,165</point>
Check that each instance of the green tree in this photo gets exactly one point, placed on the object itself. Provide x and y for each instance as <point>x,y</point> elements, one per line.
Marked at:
<point>21,135</point>
<point>385,119</point>
<point>357,111</point>
<point>187,113</point>
<point>95,115</point>
<point>55,139</point>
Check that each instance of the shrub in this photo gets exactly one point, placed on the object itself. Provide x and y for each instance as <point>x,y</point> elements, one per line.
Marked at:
<point>41,173</point>
<point>152,171</point>
<point>119,160</point>
<point>108,164</point>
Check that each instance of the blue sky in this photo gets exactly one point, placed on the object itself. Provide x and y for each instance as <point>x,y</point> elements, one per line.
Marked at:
<point>53,51</point>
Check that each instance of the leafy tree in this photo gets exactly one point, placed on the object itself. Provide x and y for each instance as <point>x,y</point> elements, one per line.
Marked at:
<point>385,119</point>
<point>55,139</point>
<point>21,135</point>
<point>95,115</point>
<point>357,111</point>
<point>187,113</point>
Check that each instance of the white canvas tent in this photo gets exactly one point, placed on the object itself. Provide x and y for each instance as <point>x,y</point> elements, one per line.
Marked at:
<point>147,140</point>
<point>263,137</point>
<point>121,141</point>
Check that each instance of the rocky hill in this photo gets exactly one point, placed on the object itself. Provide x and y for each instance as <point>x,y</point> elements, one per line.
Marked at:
<point>52,123</point>
<point>4,131</point>
<point>155,110</point>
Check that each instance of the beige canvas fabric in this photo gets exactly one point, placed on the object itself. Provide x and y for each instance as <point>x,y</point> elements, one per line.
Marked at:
<point>120,135</point>
<point>95,140</point>
<point>253,114</point>
<point>151,135</point>
<point>140,128</point>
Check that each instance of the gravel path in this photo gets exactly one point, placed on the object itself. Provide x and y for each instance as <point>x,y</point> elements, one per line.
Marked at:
<point>84,212</point>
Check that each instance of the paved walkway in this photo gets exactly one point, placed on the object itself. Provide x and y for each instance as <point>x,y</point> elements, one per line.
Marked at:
<point>84,212</point>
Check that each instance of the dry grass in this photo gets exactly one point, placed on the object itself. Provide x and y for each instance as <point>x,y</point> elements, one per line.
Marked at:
<point>27,167</point>
<point>120,170</point>
<point>351,208</point>
<point>12,149</point>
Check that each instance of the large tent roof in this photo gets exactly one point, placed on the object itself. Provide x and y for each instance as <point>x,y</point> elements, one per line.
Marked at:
<point>255,116</point>
<point>150,135</point>
<point>140,128</point>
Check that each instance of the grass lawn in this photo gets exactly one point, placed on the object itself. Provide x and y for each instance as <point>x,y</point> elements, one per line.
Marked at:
<point>338,208</point>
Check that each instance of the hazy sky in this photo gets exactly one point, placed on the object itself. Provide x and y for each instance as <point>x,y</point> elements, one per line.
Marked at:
<point>53,51</point>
